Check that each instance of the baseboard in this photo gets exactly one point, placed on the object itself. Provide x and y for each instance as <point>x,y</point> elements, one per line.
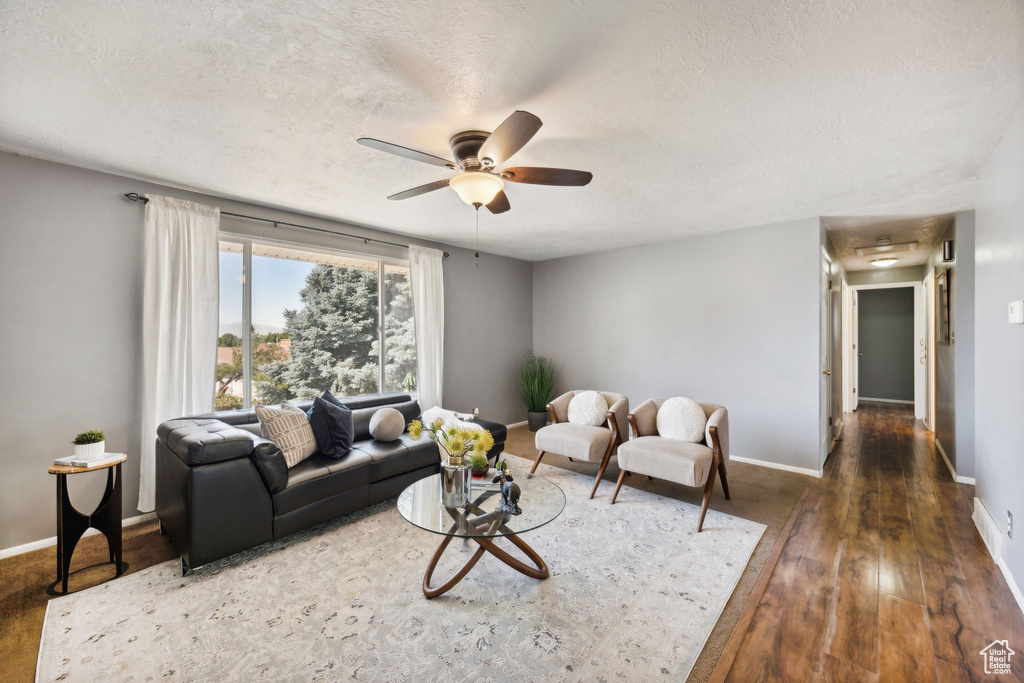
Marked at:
<point>887,400</point>
<point>988,529</point>
<point>516,424</point>
<point>778,466</point>
<point>36,545</point>
<point>993,539</point>
<point>1014,588</point>
<point>952,472</point>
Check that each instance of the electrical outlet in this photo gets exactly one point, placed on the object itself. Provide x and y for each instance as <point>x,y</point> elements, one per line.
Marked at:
<point>1009,524</point>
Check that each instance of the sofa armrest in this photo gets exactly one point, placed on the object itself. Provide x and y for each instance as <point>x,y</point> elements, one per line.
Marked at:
<point>558,409</point>
<point>270,463</point>
<point>204,441</point>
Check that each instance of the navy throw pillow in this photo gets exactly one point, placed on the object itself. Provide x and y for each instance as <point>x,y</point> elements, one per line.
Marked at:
<point>332,427</point>
<point>331,398</point>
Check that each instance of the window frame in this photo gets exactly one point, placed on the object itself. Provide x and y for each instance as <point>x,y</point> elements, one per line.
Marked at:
<point>247,242</point>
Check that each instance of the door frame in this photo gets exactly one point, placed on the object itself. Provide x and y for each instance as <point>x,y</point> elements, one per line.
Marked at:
<point>825,359</point>
<point>921,367</point>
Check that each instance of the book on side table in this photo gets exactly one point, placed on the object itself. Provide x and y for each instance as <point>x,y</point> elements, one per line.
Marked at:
<point>98,461</point>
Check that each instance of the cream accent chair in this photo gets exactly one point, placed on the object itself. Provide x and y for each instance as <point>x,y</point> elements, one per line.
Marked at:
<point>689,464</point>
<point>583,442</point>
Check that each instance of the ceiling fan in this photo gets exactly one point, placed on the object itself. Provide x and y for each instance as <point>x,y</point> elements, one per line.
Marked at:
<point>477,154</point>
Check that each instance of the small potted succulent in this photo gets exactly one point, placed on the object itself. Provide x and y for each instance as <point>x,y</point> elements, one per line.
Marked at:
<point>90,444</point>
<point>479,466</point>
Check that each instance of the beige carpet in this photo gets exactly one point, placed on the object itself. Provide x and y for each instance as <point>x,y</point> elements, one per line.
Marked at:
<point>630,598</point>
<point>758,493</point>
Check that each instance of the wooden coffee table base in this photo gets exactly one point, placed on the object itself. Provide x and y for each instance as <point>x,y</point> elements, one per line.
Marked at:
<point>486,543</point>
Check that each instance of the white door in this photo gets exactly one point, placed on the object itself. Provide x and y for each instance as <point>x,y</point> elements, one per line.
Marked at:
<point>920,352</point>
<point>825,353</point>
<point>855,336</point>
<point>929,347</point>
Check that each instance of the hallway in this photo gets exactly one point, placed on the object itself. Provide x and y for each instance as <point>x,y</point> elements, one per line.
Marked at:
<point>883,576</point>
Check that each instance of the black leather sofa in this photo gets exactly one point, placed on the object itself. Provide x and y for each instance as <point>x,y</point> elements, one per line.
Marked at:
<point>222,488</point>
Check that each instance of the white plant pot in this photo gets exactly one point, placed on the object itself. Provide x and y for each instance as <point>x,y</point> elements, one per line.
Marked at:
<point>90,450</point>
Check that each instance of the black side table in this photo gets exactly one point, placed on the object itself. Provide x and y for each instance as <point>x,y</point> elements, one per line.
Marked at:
<point>71,523</point>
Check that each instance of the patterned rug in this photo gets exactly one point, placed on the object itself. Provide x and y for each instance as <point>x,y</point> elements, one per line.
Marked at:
<point>634,592</point>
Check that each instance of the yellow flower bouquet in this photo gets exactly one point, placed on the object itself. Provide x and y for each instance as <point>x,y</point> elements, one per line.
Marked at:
<point>455,442</point>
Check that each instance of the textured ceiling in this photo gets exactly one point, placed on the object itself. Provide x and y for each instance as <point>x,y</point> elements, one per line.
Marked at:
<point>849,232</point>
<point>694,116</point>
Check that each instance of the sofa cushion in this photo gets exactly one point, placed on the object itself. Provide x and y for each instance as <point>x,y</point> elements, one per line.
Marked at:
<point>201,442</point>
<point>671,459</point>
<point>319,477</point>
<point>240,417</point>
<point>588,408</point>
<point>391,458</point>
<point>582,442</point>
<point>288,427</point>
<point>681,418</point>
<point>332,426</point>
<point>361,417</point>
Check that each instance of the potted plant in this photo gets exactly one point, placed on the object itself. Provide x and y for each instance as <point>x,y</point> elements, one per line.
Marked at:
<point>537,386</point>
<point>90,444</point>
<point>456,443</point>
<point>479,466</point>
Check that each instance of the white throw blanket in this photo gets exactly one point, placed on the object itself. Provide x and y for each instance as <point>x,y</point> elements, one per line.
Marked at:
<point>450,417</point>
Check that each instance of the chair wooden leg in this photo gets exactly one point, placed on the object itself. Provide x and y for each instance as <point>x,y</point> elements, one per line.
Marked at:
<point>618,485</point>
<point>535,463</point>
<point>604,464</point>
<point>725,482</point>
<point>708,488</point>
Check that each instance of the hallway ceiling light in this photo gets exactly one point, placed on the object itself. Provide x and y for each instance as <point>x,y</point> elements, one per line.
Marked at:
<point>883,262</point>
<point>887,248</point>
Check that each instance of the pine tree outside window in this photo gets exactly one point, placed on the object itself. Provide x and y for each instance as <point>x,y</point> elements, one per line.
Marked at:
<point>296,322</point>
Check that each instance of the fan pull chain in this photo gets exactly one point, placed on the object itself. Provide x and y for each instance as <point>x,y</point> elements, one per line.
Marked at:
<point>477,236</point>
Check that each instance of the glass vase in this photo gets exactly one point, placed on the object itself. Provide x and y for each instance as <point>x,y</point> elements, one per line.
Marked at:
<point>455,483</point>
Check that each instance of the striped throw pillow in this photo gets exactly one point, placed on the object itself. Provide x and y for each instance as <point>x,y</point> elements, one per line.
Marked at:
<point>288,427</point>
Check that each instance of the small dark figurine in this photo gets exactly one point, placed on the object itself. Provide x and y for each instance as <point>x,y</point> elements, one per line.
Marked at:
<point>510,491</point>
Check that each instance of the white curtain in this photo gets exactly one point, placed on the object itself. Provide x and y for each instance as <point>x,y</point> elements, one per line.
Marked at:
<point>425,266</point>
<point>179,321</point>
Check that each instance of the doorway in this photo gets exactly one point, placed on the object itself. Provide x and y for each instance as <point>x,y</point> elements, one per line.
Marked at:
<point>887,349</point>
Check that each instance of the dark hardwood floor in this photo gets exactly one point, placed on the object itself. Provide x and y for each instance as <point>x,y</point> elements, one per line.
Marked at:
<point>883,576</point>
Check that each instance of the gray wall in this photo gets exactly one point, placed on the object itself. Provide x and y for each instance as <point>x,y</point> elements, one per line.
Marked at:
<point>885,276</point>
<point>999,346</point>
<point>70,292</point>
<point>954,362</point>
<point>885,334</point>
<point>729,317</point>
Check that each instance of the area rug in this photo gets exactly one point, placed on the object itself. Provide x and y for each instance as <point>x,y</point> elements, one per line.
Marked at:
<point>634,592</point>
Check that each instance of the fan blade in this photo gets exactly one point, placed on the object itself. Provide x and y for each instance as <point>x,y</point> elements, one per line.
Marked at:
<point>509,137</point>
<point>499,204</point>
<point>413,154</point>
<point>422,189</point>
<point>535,175</point>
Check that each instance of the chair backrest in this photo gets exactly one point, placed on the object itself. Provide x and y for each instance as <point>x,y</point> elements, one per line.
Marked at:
<point>648,423</point>
<point>561,406</point>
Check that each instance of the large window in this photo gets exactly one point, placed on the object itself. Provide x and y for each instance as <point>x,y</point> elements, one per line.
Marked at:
<point>296,322</point>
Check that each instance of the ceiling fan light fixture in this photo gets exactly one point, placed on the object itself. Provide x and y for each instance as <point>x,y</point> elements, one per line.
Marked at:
<point>476,188</point>
<point>883,262</point>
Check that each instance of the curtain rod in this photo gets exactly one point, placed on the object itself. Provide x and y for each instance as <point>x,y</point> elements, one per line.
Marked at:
<point>136,197</point>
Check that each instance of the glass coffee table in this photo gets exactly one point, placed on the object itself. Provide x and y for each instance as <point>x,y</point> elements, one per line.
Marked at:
<point>481,520</point>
